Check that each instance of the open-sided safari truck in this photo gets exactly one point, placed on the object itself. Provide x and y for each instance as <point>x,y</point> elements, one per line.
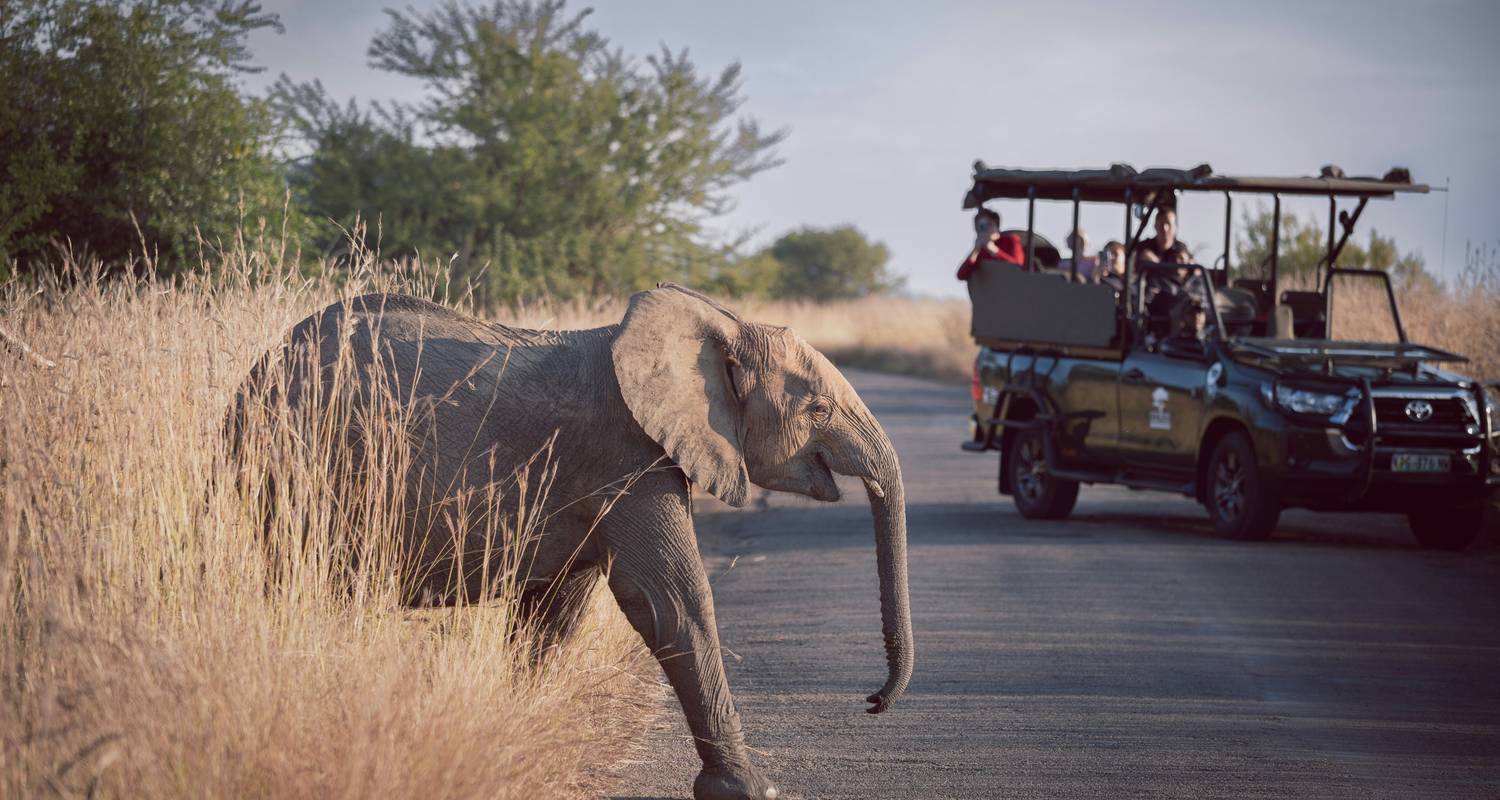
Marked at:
<point>1076,383</point>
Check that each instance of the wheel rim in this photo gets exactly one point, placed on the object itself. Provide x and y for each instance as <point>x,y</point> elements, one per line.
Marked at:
<point>1031,471</point>
<point>1229,487</point>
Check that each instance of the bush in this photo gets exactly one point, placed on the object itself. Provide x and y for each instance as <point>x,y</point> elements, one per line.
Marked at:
<point>122,130</point>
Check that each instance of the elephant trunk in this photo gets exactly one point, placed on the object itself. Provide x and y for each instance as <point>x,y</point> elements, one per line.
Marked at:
<point>878,467</point>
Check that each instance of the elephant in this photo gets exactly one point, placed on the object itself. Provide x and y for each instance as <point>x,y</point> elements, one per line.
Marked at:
<point>681,393</point>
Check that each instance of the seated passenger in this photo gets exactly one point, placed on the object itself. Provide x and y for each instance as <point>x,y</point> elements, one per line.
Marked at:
<point>1155,249</point>
<point>1078,243</point>
<point>991,245</point>
<point>1112,266</point>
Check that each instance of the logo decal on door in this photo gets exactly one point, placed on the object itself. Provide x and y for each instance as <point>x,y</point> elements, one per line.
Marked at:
<point>1211,380</point>
<point>1161,419</point>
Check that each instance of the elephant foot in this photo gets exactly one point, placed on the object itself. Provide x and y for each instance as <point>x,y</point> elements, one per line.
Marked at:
<point>723,783</point>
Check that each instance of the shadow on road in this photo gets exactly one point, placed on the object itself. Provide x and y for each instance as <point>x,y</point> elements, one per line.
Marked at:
<point>821,527</point>
<point>1330,533</point>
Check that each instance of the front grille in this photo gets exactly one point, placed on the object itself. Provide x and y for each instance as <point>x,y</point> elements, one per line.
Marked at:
<point>1452,423</point>
<point>1449,414</point>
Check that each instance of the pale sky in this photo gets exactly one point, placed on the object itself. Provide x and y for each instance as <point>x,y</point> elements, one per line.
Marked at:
<point>888,105</point>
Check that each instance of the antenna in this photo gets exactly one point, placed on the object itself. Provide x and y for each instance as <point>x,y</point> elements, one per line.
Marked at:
<point>1443,265</point>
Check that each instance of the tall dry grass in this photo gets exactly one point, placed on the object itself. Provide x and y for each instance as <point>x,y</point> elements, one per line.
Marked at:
<point>1464,321</point>
<point>912,336</point>
<point>148,650</point>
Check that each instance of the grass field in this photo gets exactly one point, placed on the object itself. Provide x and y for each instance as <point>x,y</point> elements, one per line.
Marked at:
<point>146,651</point>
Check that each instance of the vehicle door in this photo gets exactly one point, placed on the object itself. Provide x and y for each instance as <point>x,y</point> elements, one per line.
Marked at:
<point>1086,391</point>
<point>1161,412</point>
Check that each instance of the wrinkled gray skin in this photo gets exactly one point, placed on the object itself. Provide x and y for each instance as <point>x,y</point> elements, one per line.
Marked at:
<point>681,381</point>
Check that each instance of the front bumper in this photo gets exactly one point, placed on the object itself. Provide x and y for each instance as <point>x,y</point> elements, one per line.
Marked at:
<point>1322,469</point>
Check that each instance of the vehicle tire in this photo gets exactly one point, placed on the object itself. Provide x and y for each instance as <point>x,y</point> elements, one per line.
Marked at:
<point>1038,495</point>
<point>1446,528</point>
<point>1238,501</point>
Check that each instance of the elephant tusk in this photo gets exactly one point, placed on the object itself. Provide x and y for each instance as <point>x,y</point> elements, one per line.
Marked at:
<point>873,487</point>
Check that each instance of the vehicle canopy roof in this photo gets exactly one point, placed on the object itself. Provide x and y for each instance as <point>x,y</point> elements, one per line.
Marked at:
<point>1111,185</point>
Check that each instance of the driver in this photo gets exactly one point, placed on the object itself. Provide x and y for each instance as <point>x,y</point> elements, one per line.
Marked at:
<point>1189,326</point>
<point>1167,288</point>
<point>1155,249</point>
<point>1179,281</point>
<point>990,244</point>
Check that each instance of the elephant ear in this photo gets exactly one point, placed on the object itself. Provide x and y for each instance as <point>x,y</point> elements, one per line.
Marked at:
<point>673,360</point>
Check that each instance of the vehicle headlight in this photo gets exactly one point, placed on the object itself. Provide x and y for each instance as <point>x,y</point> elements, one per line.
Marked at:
<point>1311,402</point>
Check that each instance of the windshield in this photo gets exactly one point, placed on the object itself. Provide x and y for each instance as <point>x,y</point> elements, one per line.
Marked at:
<point>1364,309</point>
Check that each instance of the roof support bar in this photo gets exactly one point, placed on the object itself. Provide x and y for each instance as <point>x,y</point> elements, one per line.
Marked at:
<point>1347,222</point>
<point>1150,211</point>
<point>1075,244</point>
<point>1030,225</point>
<point>1334,250</point>
<point>1333,205</point>
<point>1275,255</point>
<point>1228,226</point>
<point>1129,251</point>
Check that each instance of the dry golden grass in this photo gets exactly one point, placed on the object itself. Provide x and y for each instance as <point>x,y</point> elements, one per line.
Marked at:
<point>918,336</point>
<point>922,337</point>
<point>1465,322</point>
<point>145,653</point>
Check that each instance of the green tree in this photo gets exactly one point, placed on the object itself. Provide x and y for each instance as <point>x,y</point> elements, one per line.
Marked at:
<point>831,264</point>
<point>1304,245</point>
<point>755,275</point>
<point>121,125</point>
<point>542,160</point>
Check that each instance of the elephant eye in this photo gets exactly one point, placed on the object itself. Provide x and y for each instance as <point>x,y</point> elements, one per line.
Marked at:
<point>820,410</point>
<point>730,365</point>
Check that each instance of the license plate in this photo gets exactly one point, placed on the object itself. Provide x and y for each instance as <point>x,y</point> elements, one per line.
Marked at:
<point>1418,462</point>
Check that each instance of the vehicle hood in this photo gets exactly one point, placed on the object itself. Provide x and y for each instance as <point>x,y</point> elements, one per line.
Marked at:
<point>1388,362</point>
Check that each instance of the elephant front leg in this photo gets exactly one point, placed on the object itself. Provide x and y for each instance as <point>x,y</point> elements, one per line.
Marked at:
<point>670,605</point>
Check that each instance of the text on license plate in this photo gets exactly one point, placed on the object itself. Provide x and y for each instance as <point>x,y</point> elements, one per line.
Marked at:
<point>1418,462</point>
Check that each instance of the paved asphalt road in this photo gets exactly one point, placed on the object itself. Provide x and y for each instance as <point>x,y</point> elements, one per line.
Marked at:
<point>1126,652</point>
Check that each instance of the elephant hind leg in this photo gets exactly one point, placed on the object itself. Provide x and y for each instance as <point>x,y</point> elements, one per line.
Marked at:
<point>553,610</point>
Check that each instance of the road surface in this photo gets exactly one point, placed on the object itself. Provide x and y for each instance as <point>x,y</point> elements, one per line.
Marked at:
<point>1126,652</point>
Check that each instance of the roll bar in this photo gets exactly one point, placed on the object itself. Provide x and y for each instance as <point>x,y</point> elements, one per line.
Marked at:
<point>1155,188</point>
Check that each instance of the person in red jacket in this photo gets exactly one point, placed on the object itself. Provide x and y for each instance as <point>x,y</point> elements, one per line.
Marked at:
<point>991,245</point>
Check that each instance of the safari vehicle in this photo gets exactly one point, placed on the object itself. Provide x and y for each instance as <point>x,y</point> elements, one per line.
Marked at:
<point>1074,383</point>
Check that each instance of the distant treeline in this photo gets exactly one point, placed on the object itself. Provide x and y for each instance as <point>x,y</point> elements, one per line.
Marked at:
<point>542,159</point>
